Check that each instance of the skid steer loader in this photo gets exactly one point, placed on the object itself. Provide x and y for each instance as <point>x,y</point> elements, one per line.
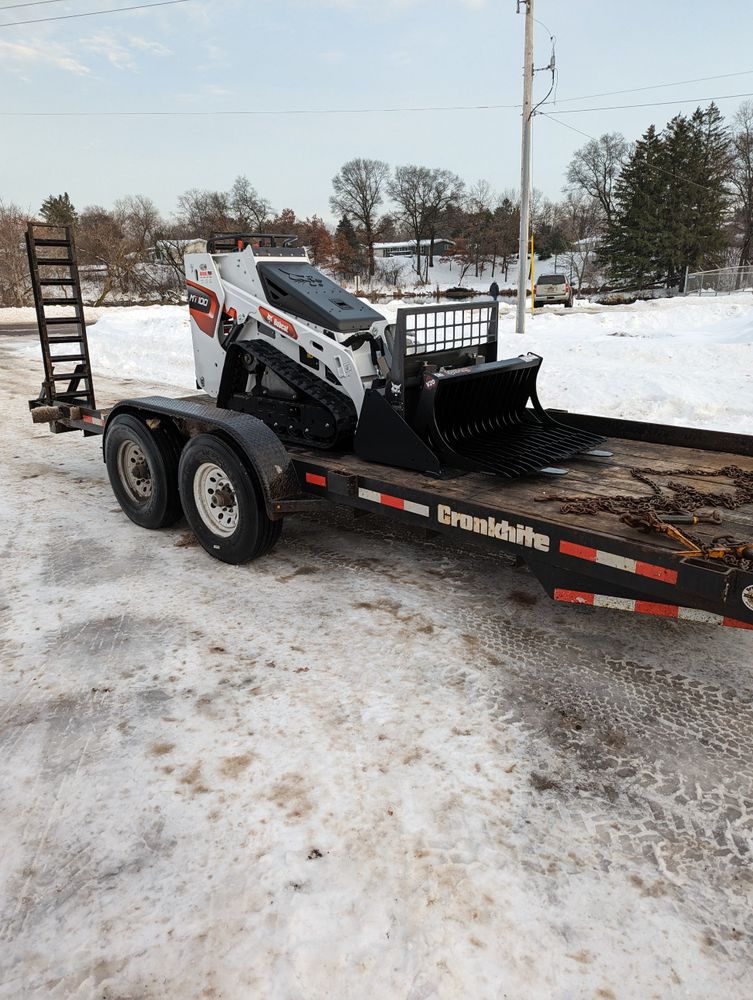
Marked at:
<point>276,338</point>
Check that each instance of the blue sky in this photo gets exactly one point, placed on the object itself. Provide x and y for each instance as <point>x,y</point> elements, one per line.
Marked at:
<point>210,56</point>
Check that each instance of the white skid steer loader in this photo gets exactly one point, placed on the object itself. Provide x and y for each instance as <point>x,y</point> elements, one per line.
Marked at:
<point>276,338</point>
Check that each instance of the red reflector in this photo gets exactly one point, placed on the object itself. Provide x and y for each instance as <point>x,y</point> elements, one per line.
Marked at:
<point>311,477</point>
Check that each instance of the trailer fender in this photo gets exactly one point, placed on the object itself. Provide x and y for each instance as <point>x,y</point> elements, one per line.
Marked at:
<point>260,449</point>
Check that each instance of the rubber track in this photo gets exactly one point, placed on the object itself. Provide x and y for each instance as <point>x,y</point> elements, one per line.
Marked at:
<point>340,407</point>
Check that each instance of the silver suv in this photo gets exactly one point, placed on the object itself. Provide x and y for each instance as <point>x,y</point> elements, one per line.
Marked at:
<point>553,289</point>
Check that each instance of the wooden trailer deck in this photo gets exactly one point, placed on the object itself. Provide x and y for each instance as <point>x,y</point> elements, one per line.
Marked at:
<point>599,477</point>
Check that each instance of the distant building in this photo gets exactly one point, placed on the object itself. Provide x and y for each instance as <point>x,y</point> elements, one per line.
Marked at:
<point>408,248</point>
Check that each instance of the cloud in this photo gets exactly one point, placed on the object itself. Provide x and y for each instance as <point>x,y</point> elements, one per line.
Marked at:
<point>149,45</point>
<point>104,45</point>
<point>19,54</point>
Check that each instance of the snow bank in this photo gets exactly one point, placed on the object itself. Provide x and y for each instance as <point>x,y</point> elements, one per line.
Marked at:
<point>12,315</point>
<point>680,361</point>
<point>150,343</point>
<point>677,361</point>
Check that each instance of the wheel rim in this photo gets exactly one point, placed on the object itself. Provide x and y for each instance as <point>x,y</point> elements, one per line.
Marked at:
<point>215,499</point>
<point>134,471</point>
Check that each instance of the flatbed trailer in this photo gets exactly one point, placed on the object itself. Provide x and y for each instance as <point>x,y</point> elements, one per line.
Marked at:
<point>578,559</point>
<point>594,559</point>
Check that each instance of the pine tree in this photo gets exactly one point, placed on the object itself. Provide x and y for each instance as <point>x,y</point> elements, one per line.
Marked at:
<point>58,210</point>
<point>347,250</point>
<point>631,248</point>
<point>671,202</point>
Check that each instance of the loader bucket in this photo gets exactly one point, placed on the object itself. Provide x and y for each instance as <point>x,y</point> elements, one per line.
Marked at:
<point>457,407</point>
<point>488,419</point>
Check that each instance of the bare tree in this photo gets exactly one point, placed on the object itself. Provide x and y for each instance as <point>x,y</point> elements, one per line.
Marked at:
<point>140,220</point>
<point>410,188</point>
<point>445,190</point>
<point>478,246</point>
<point>580,219</point>
<point>595,167</point>
<point>202,212</point>
<point>250,210</point>
<point>742,179</point>
<point>359,186</point>
<point>15,285</point>
<point>422,195</point>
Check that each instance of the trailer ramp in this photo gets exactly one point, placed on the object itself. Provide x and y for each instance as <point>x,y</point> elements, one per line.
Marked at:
<point>65,350</point>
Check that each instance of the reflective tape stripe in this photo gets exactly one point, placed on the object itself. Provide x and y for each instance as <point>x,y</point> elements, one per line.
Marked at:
<point>578,551</point>
<point>623,563</point>
<point>736,624</point>
<point>311,477</point>
<point>647,608</point>
<point>92,420</point>
<point>617,603</point>
<point>616,562</point>
<point>656,572</point>
<point>387,500</point>
<point>573,596</point>
<point>694,615</point>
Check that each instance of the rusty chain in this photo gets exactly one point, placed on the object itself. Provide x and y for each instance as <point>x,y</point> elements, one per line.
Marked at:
<point>644,512</point>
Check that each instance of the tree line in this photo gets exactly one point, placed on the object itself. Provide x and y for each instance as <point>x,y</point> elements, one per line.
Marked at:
<point>631,214</point>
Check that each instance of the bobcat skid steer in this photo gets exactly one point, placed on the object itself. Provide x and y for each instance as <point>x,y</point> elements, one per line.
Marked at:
<point>276,338</point>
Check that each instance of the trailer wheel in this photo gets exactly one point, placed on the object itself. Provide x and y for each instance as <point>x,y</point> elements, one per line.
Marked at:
<point>223,502</point>
<point>143,468</point>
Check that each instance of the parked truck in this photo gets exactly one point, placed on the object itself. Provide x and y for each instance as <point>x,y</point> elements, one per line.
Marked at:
<point>309,397</point>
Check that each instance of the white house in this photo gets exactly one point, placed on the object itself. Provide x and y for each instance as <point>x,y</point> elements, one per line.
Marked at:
<point>407,248</point>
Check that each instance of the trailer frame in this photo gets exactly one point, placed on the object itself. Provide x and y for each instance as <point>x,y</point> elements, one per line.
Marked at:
<point>574,563</point>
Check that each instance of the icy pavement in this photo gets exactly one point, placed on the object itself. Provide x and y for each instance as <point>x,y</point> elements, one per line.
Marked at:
<point>365,766</point>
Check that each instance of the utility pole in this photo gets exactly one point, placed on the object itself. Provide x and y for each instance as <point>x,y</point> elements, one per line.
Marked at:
<point>525,169</point>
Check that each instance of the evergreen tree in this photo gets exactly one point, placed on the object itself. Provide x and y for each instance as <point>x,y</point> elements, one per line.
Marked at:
<point>671,202</point>
<point>58,210</point>
<point>631,247</point>
<point>347,250</point>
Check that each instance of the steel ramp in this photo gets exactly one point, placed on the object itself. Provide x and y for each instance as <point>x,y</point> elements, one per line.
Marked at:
<point>65,349</point>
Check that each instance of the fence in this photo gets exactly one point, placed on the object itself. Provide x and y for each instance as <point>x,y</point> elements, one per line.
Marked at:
<point>721,281</point>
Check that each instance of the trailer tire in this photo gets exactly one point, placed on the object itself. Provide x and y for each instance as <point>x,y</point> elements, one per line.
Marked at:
<point>151,500</point>
<point>236,529</point>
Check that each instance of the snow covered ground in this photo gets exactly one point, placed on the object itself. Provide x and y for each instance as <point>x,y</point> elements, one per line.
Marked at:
<point>366,765</point>
<point>446,273</point>
<point>680,361</point>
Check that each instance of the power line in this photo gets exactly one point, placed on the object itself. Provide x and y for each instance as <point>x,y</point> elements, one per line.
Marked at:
<point>254,112</point>
<point>650,104</point>
<point>29,3</point>
<point>649,166</point>
<point>655,86</point>
<point>346,111</point>
<point>90,13</point>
